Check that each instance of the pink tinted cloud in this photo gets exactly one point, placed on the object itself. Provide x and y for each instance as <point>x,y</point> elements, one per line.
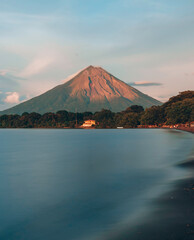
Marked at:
<point>12,97</point>
<point>37,66</point>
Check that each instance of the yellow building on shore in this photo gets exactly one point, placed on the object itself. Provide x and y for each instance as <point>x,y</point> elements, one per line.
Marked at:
<point>88,124</point>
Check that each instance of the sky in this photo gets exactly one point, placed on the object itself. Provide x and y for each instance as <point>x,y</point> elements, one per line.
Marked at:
<point>146,43</point>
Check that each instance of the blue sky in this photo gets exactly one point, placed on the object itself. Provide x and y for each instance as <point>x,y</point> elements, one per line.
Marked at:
<point>146,43</point>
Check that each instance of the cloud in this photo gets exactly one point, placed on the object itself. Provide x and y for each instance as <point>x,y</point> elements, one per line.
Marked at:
<point>12,97</point>
<point>7,72</point>
<point>164,98</point>
<point>145,83</point>
<point>9,83</point>
<point>3,72</point>
<point>189,74</point>
<point>37,66</point>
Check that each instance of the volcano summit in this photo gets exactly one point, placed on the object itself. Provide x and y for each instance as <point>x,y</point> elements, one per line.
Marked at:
<point>90,90</point>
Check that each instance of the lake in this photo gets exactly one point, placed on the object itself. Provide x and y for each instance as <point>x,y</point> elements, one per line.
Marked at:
<point>84,184</point>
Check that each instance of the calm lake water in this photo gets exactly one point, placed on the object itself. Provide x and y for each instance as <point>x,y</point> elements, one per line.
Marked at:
<point>84,184</point>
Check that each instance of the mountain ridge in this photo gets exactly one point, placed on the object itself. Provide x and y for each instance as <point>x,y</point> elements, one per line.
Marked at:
<point>91,89</point>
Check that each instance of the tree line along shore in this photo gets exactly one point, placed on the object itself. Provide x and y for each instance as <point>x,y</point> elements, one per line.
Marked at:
<point>178,112</point>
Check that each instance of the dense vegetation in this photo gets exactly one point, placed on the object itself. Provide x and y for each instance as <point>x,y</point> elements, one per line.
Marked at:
<point>179,109</point>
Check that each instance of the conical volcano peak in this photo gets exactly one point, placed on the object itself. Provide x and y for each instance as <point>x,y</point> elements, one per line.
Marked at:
<point>92,68</point>
<point>89,71</point>
<point>85,71</point>
<point>92,71</point>
<point>90,89</point>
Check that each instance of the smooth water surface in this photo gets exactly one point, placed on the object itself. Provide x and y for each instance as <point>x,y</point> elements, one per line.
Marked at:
<point>83,184</point>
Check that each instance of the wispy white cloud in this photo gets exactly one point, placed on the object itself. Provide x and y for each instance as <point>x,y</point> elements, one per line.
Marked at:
<point>164,98</point>
<point>37,66</point>
<point>16,17</point>
<point>145,83</point>
<point>12,97</point>
<point>8,72</point>
<point>3,72</point>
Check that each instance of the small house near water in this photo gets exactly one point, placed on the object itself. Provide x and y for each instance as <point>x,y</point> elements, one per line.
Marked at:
<point>88,124</point>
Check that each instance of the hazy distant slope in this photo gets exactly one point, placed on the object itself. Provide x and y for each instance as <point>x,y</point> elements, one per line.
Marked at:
<point>90,90</point>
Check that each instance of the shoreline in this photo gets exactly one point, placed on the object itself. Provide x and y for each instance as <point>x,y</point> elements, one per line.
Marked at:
<point>172,217</point>
<point>174,220</point>
<point>191,130</point>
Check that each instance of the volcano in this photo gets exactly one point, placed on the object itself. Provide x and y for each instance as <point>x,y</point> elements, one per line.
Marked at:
<point>92,89</point>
